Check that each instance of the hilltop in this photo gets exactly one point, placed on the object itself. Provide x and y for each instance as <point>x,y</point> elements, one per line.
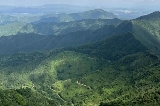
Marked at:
<point>150,16</point>
<point>91,14</point>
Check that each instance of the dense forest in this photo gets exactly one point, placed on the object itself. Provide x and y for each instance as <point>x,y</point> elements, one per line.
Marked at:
<point>86,61</point>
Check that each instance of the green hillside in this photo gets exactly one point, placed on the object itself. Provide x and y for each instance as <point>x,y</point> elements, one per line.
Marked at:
<point>24,97</point>
<point>78,33</point>
<point>146,30</point>
<point>53,28</point>
<point>114,47</point>
<point>11,28</point>
<point>115,65</point>
<point>20,17</point>
<point>34,42</point>
<point>91,14</point>
<point>87,75</point>
<point>150,22</point>
<point>47,24</point>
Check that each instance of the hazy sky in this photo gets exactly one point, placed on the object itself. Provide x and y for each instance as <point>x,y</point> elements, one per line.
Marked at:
<point>97,3</point>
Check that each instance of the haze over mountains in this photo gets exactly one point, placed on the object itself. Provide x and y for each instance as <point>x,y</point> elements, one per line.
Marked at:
<point>48,24</point>
<point>48,8</point>
<point>54,9</point>
<point>89,58</point>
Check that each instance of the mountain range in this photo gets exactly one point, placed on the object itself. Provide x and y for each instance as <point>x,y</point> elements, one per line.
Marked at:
<point>102,62</point>
<point>55,23</point>
<point>47,9</point>
<point>91,14</point>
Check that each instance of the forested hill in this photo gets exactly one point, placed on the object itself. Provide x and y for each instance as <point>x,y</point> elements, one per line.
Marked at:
<point>115,65</point>
<point>35,42</point>
<point>150,22</point>
<point>117,71</point>
<point>82,32</point>
<point>92,14</point>
<point>151,16</point>
<point>53,28</point>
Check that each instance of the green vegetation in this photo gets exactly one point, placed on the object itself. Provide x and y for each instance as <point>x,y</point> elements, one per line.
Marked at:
<point>55,24</point>
<point>19,17</point>
<point>24,97</point>
<point>11,28</point>
<point>33,42</point>
<point>123,69</point>
<point>85,78</point>
<point>92,14</point>
<point>53,28</point>
<point>81,32</point>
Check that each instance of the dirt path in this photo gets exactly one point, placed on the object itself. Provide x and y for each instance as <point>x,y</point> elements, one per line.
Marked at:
<point>61,98</point>
<point>83,85</point>
<point>58,95</point>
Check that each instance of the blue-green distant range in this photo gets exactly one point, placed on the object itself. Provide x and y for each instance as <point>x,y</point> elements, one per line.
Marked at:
<point>55,23</point>
<point>82,32</point>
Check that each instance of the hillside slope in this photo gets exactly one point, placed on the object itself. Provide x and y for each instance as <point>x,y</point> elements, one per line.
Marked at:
<point>35,42</point>
<point>121,69</point>
<point>147,27</point>
<point>91,14</point>
<point>54,28</point>
<point>110,71</point>
<point>83,33</point>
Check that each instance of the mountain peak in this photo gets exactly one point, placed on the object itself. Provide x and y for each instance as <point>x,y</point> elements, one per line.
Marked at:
<point>100,13</point>
<point>98,10</point>
<point>154,15</point>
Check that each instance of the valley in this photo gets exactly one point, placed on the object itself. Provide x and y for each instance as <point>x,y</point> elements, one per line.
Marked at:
<point>89,58</point>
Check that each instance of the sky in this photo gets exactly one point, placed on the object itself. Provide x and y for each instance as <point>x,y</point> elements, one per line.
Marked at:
<point>93,3</point>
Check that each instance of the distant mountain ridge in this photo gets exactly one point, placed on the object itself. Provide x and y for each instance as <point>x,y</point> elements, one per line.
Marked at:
<point>56,23</point>
<point>54,28</point>
<point>45,9</point>
<point>33,42</point>
<point>92,14</point>
<point>139,29</point>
